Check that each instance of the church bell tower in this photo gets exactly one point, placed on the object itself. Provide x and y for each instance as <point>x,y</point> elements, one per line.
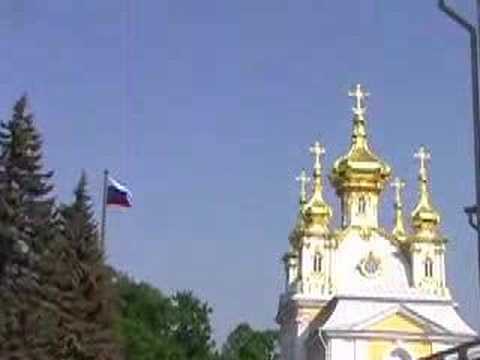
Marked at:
<point>363,291</point>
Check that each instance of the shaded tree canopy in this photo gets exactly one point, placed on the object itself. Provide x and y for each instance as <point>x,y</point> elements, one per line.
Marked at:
<point>245,343</point>
<point>156,326</point>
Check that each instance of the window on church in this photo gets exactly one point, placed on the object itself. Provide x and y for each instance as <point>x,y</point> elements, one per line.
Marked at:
<point>399,354</point>
<point>362,205</point>
<point>429,268</point>
<point>317,262</point>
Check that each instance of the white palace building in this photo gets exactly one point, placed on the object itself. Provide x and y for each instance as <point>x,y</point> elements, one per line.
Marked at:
<point>360,291</point>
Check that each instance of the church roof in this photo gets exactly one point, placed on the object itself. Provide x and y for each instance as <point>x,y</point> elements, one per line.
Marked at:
<point>439,317</point>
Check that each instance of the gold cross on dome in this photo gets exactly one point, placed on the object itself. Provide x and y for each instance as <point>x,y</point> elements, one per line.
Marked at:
<point>398,184</point>
<point>360,95</point>
<point>423,155</point>
<point>317,151</point>
<point>303,179</point>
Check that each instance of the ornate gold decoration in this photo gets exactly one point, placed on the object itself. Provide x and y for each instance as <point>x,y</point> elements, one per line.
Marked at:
<point>317,211</point>
<point>360,169</point>
<point>370,266</point>
<point>425,218</point>
<point>399,228</point>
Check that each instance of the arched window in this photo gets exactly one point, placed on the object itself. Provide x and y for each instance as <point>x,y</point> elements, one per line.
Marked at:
<point>399,354</point>
<point>317,262</point>
<point>428,268</point>
<point>362,205</point>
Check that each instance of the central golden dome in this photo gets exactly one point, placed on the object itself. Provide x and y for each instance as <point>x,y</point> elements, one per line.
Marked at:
<point>360,169</point>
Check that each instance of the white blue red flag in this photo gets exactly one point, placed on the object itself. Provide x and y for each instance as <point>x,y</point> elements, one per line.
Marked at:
<point>118,194</point>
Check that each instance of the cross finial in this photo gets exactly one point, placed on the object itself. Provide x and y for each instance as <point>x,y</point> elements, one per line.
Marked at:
<point>360,95</point>
<point>303,179</point>
<point>399,228</point>
<point>423,155</point>
<point>317,150</point>
<point>398,184</point>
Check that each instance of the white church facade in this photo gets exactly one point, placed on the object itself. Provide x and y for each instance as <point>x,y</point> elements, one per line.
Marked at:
<point>360,291</point>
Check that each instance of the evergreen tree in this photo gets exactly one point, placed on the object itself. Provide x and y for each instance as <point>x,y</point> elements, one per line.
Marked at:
<point>82,286</point>
<point>24,186</point>
<point>56,294</point>
<point>80,227</point>
<point>26,223</point>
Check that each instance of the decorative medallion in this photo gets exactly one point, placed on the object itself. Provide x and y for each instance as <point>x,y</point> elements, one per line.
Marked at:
<point>370,266</point>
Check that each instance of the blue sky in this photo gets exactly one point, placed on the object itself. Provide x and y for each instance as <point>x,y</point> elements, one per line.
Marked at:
<point>207,108</point>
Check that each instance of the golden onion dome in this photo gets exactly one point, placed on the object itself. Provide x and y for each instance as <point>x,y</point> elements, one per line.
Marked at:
<point>425,218</point>
<point>317,212</point>
<point>360,169</point>
<point>314,215</point>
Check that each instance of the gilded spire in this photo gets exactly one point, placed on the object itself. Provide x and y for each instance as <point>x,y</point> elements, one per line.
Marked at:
<point>425,217</point>
<point>299,228</point>
<point>317,211</point>
<point>399,228</point>
<point>360,169</point>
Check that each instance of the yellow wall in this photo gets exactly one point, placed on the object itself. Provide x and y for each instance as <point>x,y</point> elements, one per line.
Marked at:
<point>380,349</point>
<point>398,322</point>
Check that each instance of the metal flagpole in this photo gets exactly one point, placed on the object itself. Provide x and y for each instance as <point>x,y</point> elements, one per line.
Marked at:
<point>473,212</point>
<point>104,210</point>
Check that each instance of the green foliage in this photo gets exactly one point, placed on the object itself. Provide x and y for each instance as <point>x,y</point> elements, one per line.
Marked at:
<point>79,224</point>
<point>155,326</point>
<point>59,300</point>
<point>56,293</point>
<point>244,343</point>
<point>192,327</point>
<point>27,224</point>
<point>84,295</point>
<point>24,185</point>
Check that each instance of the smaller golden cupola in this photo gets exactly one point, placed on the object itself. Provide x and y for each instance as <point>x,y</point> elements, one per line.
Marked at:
<point>425,218</point>
<point>360,169</point>
<point>399,228</point>
<point>299,228</point>
<point>317,212</point>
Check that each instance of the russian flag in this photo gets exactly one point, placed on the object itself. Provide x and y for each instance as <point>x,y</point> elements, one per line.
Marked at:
<point>118,194</point>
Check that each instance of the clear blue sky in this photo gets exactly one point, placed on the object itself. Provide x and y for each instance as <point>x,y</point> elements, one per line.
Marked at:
<point>206,109</point>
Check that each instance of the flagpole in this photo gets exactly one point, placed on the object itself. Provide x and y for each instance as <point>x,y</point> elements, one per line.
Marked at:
<point>104,210</point>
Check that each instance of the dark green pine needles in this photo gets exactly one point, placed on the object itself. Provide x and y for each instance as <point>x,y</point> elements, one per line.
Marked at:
<point>56,294</point>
